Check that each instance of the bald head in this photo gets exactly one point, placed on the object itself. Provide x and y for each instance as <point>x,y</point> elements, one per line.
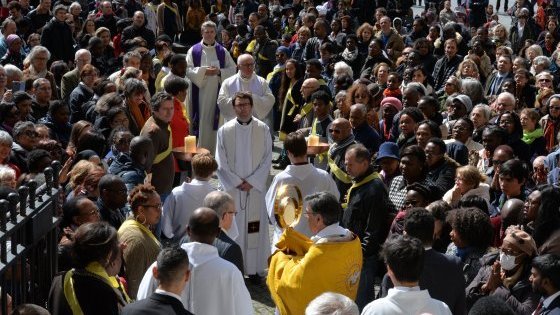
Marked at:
<point>341,130</point>
<point>512,213</point>
<point>309,86</point>
<point>539,161</point>
<point>358,114</point>
<point>142,150</point>
<point>204,225</point>
<point>246,65</point>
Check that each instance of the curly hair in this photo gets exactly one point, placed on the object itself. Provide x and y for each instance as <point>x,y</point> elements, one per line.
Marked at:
<point>140,195</point>
<point>473,226</point>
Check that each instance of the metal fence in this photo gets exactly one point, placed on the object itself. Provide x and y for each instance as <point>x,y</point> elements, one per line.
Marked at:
<point>28,240</point>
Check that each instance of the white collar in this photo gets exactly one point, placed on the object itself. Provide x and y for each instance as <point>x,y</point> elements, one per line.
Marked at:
<point>331,230</point>
<point>163,292</point>
<point>406,289</point>
<point>549,299</point>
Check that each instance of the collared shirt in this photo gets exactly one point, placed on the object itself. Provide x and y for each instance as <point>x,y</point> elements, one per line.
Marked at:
<point>163,292</point>
<point>549,299</point>
<point>407,289</point>
<point>331,230</point>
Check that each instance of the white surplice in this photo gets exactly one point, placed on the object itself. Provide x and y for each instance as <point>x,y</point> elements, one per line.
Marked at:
<point>310,180</point>
<point>208,91</point>
<point>263,99</point>
<point>179,206</point>
<point>216,286</point>
<point>244,152</point>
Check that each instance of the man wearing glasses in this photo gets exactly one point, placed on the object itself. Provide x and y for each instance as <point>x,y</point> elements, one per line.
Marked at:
<point>330,261</point>
<point>25,140</point>
<point>244,155</point>
<point>246,80</point>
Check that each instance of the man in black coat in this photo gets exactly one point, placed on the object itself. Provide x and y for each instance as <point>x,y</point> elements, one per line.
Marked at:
<point>438,268</point>
<point>57,36</point>
<point>107,19</point>
<point>172,272</point>
<point>366,214</point>
<point>138,29</point>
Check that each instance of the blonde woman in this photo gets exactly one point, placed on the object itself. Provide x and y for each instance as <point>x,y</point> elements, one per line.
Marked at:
<point>501,36</point>
<point>467,69</point>
<point>469,181</point>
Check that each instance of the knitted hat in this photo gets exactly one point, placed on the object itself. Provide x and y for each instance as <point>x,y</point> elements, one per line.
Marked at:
<point>521,240</point>
<point>392,101</point>
<point>11,38</point>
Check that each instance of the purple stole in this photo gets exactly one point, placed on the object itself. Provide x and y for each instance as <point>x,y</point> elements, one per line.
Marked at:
<point>197,55</point>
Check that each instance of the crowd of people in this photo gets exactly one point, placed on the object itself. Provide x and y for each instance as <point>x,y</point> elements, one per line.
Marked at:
<point>420,154</point>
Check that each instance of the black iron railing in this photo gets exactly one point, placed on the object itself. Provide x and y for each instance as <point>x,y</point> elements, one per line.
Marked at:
<point>28,240</point>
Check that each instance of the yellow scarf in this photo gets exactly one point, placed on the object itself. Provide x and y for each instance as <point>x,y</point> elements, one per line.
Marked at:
<point>366,180</point>
<point>98,270</point>
<point>135,224</point>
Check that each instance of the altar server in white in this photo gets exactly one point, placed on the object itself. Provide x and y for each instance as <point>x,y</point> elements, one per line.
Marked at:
<point>302,174</point>
<point>244,155</point>
<point>216,286</point>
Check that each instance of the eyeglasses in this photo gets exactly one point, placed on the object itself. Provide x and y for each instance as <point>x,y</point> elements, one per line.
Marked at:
<point>336,131</point>
<point>555,107</point>
<point>309,213</point>
<point>510,252</point>
<point>545,80</point>
<point>158,206</point>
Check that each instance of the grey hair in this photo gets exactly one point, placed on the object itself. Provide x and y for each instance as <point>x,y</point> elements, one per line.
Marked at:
<point>208,24</point>
<point>20,128</point>
<point>341,65</point>
<point>74,5</point>
<point>340,94</point>
<point>542,61</point>
<point>418,87</point>
<point>36,50</point>
<point>12,70</point>
<point>330,303</point>
<point>473,88</point>
<point>486,110</point>
<point>218,201</point>
<point>507,95</point>
<point>37,83</point>
<point>5,173</point>
<point>5,138</point>
<point>79,52</point>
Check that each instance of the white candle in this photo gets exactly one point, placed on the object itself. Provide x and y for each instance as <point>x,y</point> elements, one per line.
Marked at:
<point>313,141</point>
<point>190,144</point>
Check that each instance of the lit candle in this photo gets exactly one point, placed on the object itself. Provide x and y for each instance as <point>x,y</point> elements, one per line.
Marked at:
<point>313,141</point>
<point>190,144</point>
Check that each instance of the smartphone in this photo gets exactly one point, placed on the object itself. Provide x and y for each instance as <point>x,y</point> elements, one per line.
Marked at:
<point>18,86</point>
